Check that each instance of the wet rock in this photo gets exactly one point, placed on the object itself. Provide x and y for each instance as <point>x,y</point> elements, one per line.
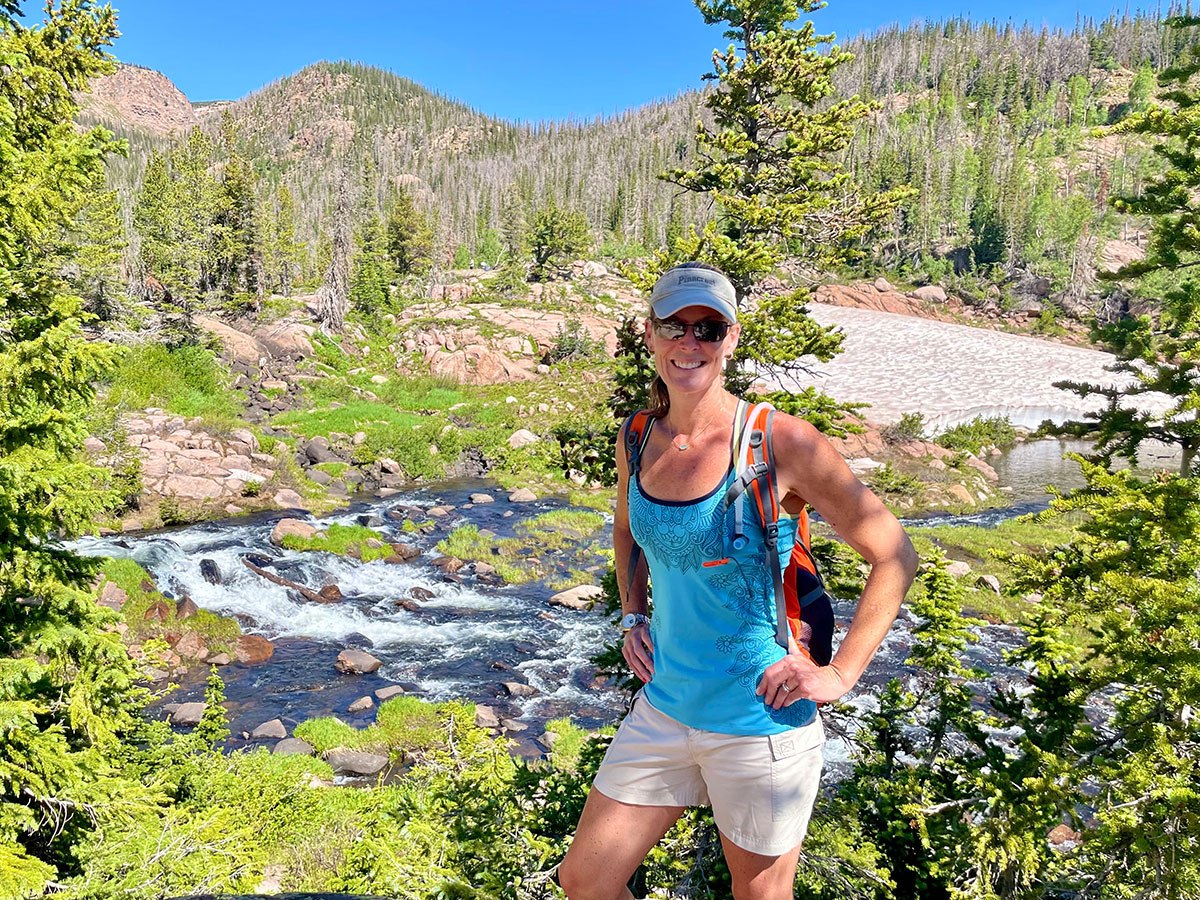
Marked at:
<point>404,552</point>
<point>253,649</point>
<point>355,762</point>
<point>387,693</point>
<point>112,596</point>
<point>356,662</point>
<point>548,739</point>
<point>580,597</point>
<point>322,478</point>
<point>188,714</point>
<point>482,498</point>
<point>258,559</point>
<point>438,512</point>
<point>406,604</point>
<point>220,659</point>
<point>522,495</point>
<point>285,527</point>
<point>370,521</point>
<point>210,571</point>
<point>484,569</point>
<point>520,689</point>
<point>273,729</point>
<point>485,717</point>
<point>419,593</point>
<point>293,747</point>
<point>331,593</point>
<point>513,726</point>
<point>361,704</point>
<point>448,564</point>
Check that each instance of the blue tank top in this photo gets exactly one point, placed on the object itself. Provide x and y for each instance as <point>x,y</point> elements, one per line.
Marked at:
<point>713,625</point>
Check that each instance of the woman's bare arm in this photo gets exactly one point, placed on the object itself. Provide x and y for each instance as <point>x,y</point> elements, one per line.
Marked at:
<point>637,647</point>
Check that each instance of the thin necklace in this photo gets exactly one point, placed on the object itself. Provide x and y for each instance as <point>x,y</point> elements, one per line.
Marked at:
<point>693,435</point>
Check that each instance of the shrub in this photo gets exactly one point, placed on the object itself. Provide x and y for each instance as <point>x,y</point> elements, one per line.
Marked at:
<point>572,341</point>
<point>186,381</point>
<point>911,427</point>
<point>979,433</point>
<point>889,480</point>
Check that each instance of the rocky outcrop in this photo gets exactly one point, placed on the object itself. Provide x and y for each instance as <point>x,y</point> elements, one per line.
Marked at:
<point>143,98</point>
<point>866,295</point>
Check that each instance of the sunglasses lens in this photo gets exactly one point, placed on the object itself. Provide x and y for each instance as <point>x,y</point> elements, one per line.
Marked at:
<point>710,332</point>
<point>669,329</point>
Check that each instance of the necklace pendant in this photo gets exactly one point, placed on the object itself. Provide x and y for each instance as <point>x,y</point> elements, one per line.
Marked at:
<point>682,446</point>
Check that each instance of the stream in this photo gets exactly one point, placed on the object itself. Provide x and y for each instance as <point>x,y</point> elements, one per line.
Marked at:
<point>469,637</point>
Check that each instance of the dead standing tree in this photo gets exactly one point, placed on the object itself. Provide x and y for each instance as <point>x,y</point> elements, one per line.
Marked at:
<point>333,297</point>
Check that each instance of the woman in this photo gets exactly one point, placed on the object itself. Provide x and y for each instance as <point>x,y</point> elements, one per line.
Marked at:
<point>726,716</point>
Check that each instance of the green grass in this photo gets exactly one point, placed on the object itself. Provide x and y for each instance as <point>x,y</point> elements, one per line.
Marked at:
<point>403,725</point>
<point>187,381</point>
<point>340,539</point>
<point>554,530</point>
<point>564,755</point>
<point>219,633</point>
<point>980,432</point>
<point>328,733</point>
<point>359,415</point>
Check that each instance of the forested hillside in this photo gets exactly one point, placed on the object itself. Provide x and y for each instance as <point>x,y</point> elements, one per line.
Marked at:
<point>994,126</point>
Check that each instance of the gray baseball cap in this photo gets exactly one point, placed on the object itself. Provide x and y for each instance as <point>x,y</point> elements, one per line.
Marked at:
<point>682,287</point>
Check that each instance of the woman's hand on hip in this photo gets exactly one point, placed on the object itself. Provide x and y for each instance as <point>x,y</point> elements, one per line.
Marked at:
<point>638,651</point>
<point>797,677</point>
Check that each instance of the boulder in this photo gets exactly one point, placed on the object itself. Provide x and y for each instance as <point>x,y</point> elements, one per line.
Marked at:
<point>322,478</point>
<point>362,704</point>
<point>1063,836</point>
<point>485,717</point>
<point>293,747</point>
<point>405,552</point>
<point>112,596</point>
<point>519,689</point>
<point>210,571</point>
<point>288,499</point>
<point>448,564</point>
<point>387,693</point>
<point>580,597</point>
<point>356,662</point>
<point>188,714</point>
<point>355,762</point>
<point>191,646</point>
<point>960,493</point>
<point>331,593</point>
<point>284,527</point>
<point>521,438</point>
<point>221,659</point>
<point>883,285</point>
<point>988,582</point>
<point>419,593</point>
<point>522,495</point>
<point>482,498</point>
<point>958,568</point>
<point>158,611</point>
<point>930,293</point>
<point>253,649</point>
<point>317,450</point>
<point>273,729</point>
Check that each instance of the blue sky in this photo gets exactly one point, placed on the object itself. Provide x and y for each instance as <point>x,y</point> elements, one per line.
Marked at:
<point>521,59</point>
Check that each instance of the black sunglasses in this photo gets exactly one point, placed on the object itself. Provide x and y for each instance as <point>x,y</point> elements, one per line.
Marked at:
<point>708,331</point>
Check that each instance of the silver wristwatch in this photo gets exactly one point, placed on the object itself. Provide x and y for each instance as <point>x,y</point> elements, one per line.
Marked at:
<point>632,620</point>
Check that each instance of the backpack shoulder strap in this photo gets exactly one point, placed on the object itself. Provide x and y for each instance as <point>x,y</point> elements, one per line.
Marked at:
<point>637,434</point>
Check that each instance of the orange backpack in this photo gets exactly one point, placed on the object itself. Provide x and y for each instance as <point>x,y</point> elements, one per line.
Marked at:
<point>803,607</point>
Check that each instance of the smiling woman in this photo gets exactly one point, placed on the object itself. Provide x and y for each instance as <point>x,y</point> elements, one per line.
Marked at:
<point>728,715</point>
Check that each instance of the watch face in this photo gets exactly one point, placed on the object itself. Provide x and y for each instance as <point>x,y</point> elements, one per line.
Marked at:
<point>629,620</point>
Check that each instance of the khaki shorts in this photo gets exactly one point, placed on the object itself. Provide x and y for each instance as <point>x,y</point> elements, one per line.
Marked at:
<point>761,788</point>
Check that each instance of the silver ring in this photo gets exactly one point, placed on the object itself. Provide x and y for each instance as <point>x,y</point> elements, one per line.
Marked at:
<point>786,689</point>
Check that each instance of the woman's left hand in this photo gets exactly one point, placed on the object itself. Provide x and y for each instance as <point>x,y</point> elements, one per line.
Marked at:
<point>805,680</point>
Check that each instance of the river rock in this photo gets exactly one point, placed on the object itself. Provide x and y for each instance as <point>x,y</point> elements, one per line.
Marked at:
<point>485,569</point>
<point>191,646</point>
<point>220,659</point>
<point>361,704</point>
<point>522,495</point>
<point>960,493</point>
<point>293,747</point>
<point>273,729</point>
<point>157,611</point>
<point>322,478</point>
<point>370,521</point>
<point>482,498</point>
<point>513,726</point>
<point>112,596</point>
<point>404,552</point>
<point>356,662</point>
<point>331,593</point>
<point>580,597</point>
<point>419,593</point>
<point>448,564</point>
<point>438,512</point>
<point>253,649</point>
<point>188,714</point>
<point>485,717</point>
<point>285,527</point>
<point>355,762</point>
<point>520,689</point>
<point>387,693</point>
<point>989,582</point>
<point>958,568</point>
<point>210,571</point>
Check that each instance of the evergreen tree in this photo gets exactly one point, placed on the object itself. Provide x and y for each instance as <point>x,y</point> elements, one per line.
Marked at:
<point>409,236</point>
<point>66,688</point>
<point>97,250</point>
<point>1159,356</point>
<point>556,236</point>
<point>235,242</point>
<point>771,165</point>
<point>333,297</point>
<point>372,278</point>
<point>284,254</point>
<point>213,728</point>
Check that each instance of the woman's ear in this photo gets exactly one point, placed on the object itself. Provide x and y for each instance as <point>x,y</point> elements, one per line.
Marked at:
<point>648,333</point>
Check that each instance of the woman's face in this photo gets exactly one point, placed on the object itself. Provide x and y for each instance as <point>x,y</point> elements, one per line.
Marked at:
<point>686,364</point>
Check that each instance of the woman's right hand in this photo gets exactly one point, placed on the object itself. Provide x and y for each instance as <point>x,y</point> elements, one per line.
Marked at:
<point>638,651</point>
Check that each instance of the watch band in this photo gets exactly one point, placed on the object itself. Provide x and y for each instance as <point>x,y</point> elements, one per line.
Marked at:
<point>632,620</point>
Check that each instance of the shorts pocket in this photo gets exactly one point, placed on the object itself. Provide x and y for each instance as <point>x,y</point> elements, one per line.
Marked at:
<point>797,757</point>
